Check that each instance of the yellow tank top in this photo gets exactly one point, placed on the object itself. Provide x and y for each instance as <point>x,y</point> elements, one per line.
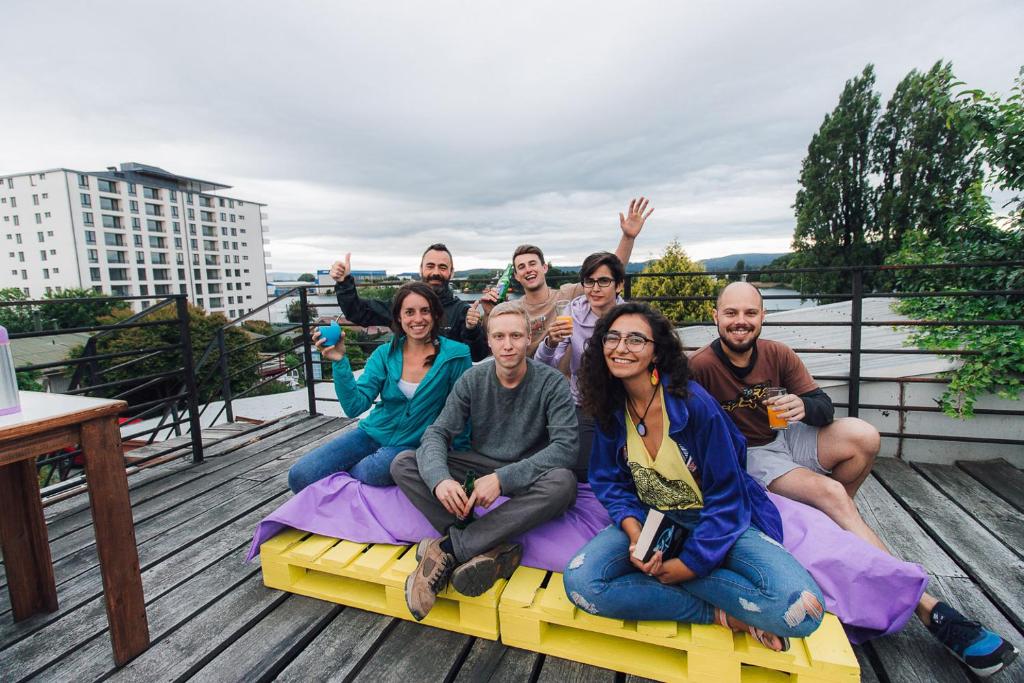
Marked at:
<point>664,483</point>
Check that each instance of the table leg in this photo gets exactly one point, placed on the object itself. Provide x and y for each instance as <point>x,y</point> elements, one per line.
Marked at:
<point>26,547</point>
<point>115,537</point>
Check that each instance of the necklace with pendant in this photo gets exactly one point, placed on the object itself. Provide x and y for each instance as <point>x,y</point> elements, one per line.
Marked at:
<point>641,427</point>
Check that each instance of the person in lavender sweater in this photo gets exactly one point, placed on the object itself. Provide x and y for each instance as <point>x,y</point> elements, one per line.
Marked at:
<point>602,276</point>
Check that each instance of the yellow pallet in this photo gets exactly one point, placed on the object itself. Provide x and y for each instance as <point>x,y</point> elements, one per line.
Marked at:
<point>370,577</point>
<point>540,617</point>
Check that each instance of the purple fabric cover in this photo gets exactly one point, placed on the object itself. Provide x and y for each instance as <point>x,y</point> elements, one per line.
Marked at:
<point>871,592</point>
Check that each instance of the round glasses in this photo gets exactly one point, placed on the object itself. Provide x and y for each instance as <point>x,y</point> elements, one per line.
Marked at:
<point>634,341</point>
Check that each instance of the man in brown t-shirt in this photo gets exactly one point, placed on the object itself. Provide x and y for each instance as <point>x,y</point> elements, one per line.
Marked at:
<point>817,460</point>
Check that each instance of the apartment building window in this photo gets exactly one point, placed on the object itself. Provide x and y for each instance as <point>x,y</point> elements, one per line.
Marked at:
<point>150,192</point>
<point>14,202</point>
<point>205,201</point>
<point>215,302</point>
<point>21,256</point>
<point>46,273</point>
<point>39,235</point>
<point>207,216</point>
<point>108,204</point>
<point>224,231</point>
<point>210,245</point>
<point>143,289</point>
<point>49,233</point>
<point>191,214</point>
<point>93,255</point>
<point>176,227</point>
<point>174,212</point>
<point>173,195</point>
<point>154,210</point>
<point>199,302</point>
<point>83,180</point>
<point>234,245</point>
<point>197,274</point>
<point>195,259</point>
<point>53,252</point>
<point>42,254</point>
<point>136,224</point>
<point>179,258</point>
<point>181,276</point>
<point>39,219</point>
<point>212,274</point>
<point>46,215</point>
<point>131,189</point>
<point>191,228</point>
<point>121,290</point>
<point>138,240</point>
<point>234,233</point>
<point>188,198</point>
<point>225,244</point>
<point>133,206</point>
<point>232,218</point>
<point>223,216</point>
<point>97,289</point>
<point>157,242</point>
<point>111,221</point>
<point>113,239</point>
<point>194,243</point>
<point>46,195</point>
<point>24,276</point>
<point>162,289</point>
<point>86,199</point>
<point>35,200</point>
<point>104,185</point>
<point>209,231</point>
<point>118,274</point>
<point>155,226</point>
<point>161,273</point>
<point>140,257</point>
<point>117,257</point>
<point>17,236</point>
<point>177,243</point>
<point>87,217</point>
<point>94,274</point>
<point>159,258</point>
<point>142,274</point>
<point>90,237</point>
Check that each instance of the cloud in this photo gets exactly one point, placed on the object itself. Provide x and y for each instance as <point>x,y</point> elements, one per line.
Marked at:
<point>378,128</point>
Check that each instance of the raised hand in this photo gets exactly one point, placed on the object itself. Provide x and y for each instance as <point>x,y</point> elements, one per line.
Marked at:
<point>473,316</point>
<point>633,222</point>
<point>341,269</point>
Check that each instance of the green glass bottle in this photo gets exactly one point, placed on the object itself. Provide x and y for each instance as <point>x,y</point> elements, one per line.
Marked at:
<point>504,282</point>
<point>467,486</point>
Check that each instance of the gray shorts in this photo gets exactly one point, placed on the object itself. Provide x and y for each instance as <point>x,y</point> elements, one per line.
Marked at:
<point>792,448</point>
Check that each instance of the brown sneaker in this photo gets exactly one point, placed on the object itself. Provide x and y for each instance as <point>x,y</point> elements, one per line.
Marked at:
<point>430,577</point>
<point>477,575</point>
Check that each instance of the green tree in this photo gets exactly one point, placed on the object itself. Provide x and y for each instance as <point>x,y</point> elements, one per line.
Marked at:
<point>926,166</point>
<point>294,312</point>
<point>675,260</point>
<point>740,265</point>
<point>307,277</point>
<point>16,318</point>
<point>833,204</point>
<point>78,314</point>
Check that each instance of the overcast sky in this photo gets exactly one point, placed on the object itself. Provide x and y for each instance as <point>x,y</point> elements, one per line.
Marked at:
<point>378,128</point>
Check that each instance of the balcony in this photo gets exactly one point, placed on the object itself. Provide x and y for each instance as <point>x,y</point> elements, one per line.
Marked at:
<point>211,617</point>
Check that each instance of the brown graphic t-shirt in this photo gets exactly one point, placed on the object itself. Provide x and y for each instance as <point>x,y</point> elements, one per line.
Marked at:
<point>543,313</point>
<point>773,365</point>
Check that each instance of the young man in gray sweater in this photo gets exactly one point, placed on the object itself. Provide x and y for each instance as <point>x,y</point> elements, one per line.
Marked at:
<point>524,442</point>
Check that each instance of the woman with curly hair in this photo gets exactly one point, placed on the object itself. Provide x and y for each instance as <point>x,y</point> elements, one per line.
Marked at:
<point>412,375</point>
<point>663,443</point>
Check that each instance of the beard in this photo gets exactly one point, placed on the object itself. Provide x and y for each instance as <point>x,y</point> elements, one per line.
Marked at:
<point>739,348</point>
<point>437,282</point>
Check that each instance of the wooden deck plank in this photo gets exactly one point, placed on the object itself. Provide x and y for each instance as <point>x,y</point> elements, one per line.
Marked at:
<point>230,523</point>
<point>1001,477</point>
<point>269,645</point>
<point>429,652</point>
<point>489,660</point>
<point>555,670</point>
<point>197,641</point>
<point>339,648</point>
<point>974,499</point>
<point>999,572</point>
<point>867,667</point>
<point>84,557</point>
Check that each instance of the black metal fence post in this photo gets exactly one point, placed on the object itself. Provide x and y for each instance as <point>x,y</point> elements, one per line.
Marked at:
<point>307,350</point>
<point>627,287</point>
<point>856,318</point>
<point>188,367</point>
<point>225,377</point>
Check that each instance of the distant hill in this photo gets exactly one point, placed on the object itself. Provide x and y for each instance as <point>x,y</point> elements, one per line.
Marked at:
<point>729,262</point>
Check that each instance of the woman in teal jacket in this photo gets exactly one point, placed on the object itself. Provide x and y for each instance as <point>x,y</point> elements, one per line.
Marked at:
<point>412,375</point>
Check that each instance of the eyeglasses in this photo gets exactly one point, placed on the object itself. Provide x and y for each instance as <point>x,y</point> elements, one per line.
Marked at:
<point>601,282</point>
<point>634,342</point>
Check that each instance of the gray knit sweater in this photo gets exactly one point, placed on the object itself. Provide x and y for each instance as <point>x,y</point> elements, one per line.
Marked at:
<point>531,427</point>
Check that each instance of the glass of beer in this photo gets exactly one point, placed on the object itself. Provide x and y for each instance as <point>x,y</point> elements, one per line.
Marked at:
<point>562,314</point>
<point>774,421</point>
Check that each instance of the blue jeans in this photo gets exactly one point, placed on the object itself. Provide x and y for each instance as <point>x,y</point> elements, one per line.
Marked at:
<point>759,583</point>
<point>354,452</point>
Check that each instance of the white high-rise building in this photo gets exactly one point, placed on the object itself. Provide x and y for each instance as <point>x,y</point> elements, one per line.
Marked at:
<point>133,231</point>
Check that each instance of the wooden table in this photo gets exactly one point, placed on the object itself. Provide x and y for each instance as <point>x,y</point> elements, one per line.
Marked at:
<point>46,423</point>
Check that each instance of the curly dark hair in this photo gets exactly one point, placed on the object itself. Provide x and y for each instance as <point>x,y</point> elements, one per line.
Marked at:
<point>436,312</point>
<point>601,393</point>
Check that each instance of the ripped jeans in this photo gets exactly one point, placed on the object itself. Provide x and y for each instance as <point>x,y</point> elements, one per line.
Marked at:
<point>759,583</point>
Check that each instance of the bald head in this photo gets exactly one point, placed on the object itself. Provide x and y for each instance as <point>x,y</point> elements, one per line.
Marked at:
<point>740,295</point>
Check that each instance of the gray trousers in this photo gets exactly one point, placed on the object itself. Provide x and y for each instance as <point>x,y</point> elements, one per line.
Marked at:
<point>547,497</point>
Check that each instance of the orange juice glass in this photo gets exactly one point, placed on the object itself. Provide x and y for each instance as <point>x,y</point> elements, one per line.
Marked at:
<point>774,421</point>
<point>562,313</point>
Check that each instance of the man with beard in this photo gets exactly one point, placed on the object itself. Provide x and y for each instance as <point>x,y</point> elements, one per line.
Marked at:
<point>461,320</point>
<point>817,460</point>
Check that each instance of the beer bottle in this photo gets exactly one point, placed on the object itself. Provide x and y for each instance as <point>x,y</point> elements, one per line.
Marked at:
<point>467,486</point>
<point>504,281</point>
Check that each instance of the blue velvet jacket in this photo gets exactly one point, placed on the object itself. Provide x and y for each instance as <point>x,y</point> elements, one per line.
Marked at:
<point>733,500</point>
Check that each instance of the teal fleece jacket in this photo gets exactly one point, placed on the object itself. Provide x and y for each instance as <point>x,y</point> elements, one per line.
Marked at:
<point>397,420</point>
